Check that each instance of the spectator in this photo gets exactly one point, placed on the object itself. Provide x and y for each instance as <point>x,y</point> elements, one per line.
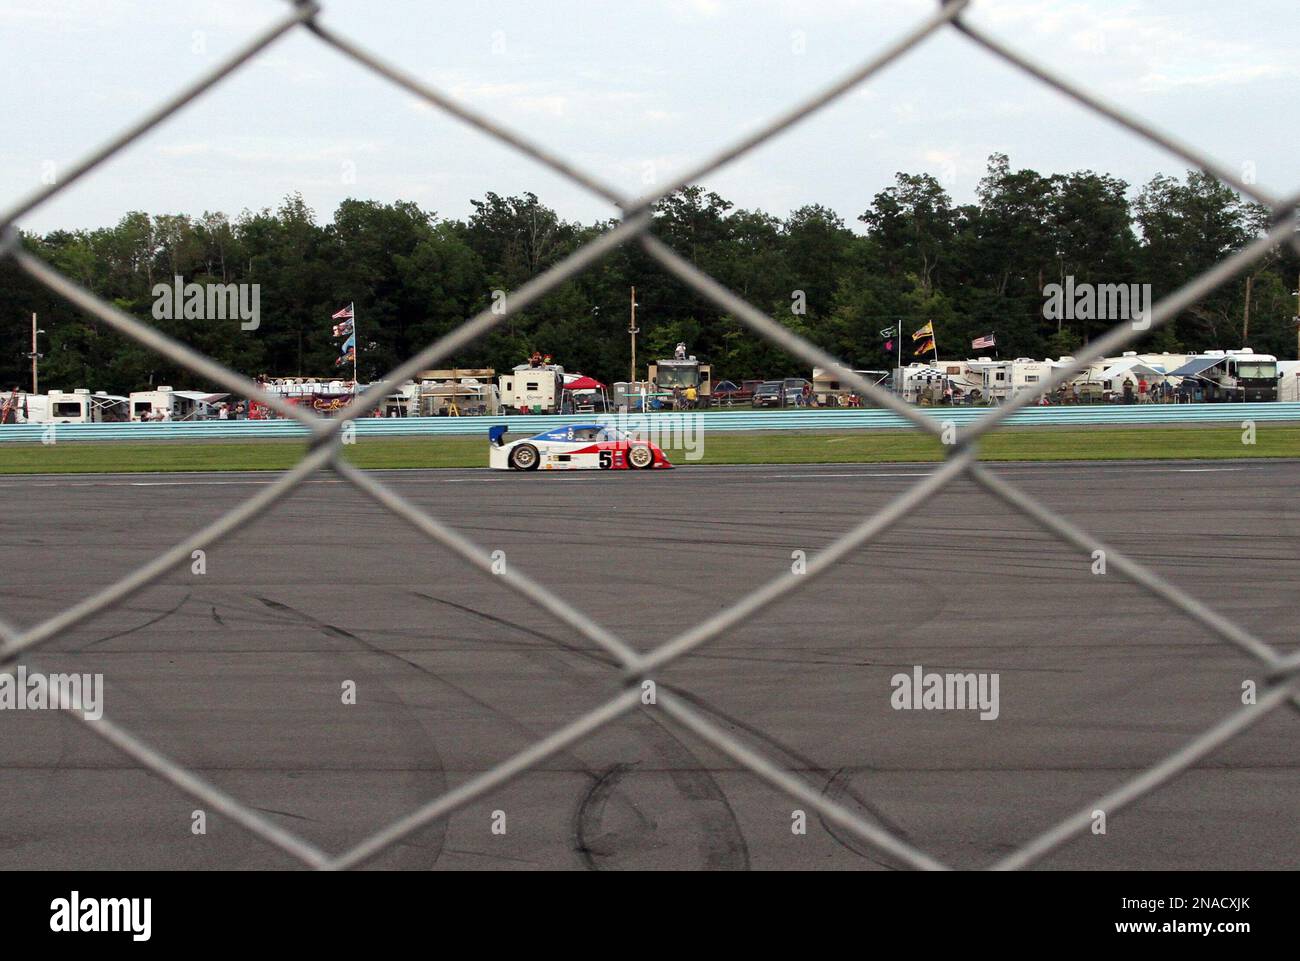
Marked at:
<point>1142,390</point>
<point>1128,390</point>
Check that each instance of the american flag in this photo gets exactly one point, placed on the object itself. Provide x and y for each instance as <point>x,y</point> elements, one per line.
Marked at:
<point>981,342</point>
<point>345,312</point>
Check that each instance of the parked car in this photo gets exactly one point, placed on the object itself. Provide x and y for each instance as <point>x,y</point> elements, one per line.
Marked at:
<point>770,393</point>
<point>797,391</point>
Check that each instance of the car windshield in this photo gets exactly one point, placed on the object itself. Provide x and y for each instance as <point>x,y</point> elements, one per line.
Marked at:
<point>768,388</point>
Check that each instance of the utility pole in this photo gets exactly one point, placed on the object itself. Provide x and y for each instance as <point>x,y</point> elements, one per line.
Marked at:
<point>633,330</point>
<point>35,357</point>
<point>1245,316</point>
<point>1297,317</point>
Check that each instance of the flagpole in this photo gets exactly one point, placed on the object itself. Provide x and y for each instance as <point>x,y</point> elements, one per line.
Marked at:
<point>356,347</point>
<point>934,342</point>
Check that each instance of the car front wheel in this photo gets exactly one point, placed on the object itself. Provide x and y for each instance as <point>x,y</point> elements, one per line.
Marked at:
<point>641,457</point>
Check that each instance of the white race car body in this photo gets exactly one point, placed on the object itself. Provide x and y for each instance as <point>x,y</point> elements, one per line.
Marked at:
<point>575,447</point>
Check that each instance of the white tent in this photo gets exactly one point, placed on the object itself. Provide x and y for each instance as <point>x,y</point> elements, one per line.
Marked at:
<point>1132,366</point>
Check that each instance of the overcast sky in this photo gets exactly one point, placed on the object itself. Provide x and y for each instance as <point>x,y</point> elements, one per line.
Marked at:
<point>627,90</point>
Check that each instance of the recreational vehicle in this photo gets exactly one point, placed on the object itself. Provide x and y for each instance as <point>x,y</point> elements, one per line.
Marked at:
<point>167,404</point>
<point>829,391</point>
<point>1231,375</point>
<point>532,388</point>
<point>82,407</point>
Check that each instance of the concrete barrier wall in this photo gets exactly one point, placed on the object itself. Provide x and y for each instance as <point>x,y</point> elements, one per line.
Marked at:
<point>714,420</point>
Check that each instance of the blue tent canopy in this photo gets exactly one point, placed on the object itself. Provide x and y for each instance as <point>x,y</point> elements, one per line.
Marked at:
<point>1197,365</point>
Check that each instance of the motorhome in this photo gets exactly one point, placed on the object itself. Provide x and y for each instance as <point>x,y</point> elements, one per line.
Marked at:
<point>934,383</point>
<point>976,380</point>
<point>682,371</point>
<point>829,391</point>
<point>532,388</point>
<point>80,406</point>
<point>1220,376</point>
<point>164,403</point>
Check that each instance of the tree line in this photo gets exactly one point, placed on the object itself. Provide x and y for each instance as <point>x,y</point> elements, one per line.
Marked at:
<point>971,269</point>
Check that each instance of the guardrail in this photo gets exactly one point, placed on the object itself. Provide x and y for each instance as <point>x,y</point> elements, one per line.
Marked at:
<point>714,420</point>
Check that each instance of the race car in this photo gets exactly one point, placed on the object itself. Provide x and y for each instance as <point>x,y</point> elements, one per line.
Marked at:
<point>576,447</point>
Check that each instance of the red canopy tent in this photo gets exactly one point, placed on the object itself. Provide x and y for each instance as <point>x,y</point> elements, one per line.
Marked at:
<point>582,382</point>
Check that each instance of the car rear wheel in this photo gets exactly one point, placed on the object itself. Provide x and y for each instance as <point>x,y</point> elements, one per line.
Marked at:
<point>524,457</point>
<point>641,457</point>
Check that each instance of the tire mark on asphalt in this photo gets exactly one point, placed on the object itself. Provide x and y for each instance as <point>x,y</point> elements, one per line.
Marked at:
<point>723,844</point>
<point>436,831</point>
<point>590,814</point>
<point>792,758</point>
<point>161,616</point>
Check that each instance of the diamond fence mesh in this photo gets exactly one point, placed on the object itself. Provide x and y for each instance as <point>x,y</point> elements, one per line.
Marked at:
<point>1282,673</point>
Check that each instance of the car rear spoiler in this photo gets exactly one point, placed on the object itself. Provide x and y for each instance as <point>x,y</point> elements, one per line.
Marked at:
<point>496,433</point>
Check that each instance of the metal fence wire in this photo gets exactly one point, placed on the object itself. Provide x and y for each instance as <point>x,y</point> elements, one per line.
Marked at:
<point>1282,673</point>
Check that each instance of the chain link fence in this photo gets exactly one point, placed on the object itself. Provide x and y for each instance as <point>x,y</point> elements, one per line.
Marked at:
<point>1282,673</point>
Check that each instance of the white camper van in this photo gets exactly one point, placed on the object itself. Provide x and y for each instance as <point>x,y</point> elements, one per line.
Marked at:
<point>82,407</point>
<point>1003,379</point>
<point>532,388</point>
<point>167,404</point>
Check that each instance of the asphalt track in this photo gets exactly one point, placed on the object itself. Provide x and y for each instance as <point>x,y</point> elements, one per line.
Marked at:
<point>237,673</point>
